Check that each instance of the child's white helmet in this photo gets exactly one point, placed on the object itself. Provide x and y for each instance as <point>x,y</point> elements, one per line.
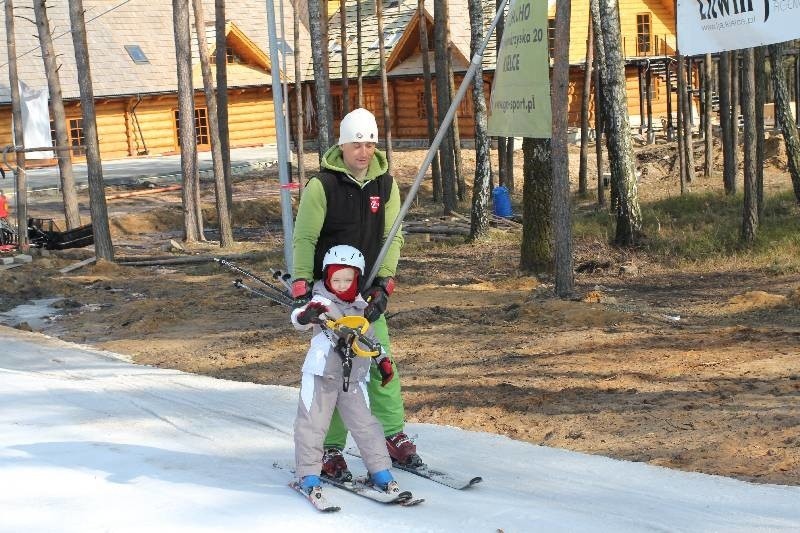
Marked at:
<point>344,254</point>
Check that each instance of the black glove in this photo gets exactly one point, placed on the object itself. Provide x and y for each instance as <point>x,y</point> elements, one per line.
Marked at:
<point>311,313</point>
<point>377,297</point>
<point>386,370</point>
<point>301,292</point>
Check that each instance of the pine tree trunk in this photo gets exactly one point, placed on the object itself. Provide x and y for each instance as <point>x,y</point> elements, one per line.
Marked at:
<point>510,144</point>
<point>71,212</point>
<point>707,104</point>
<point>479,222</point>
<point>501,141</point>
<point>223,209</point>
<point>298,100</point>
<point>537,189</point>
<point>317,29</point>
<point>359,57</point>
<point>681,141</point>
<point>726,123</point>
<point>345,70</point>
<point>221,58</point>
<point>561,212</point>
<point>441,38</point>
<point>103,246</point>
<point>583,185</point>
<point>428,95</point>
<point>620,149</point>
<point>20,176</point>
<point>735,116</point>
<point>761,98</point>
<point>600,98</point>
<point>461,184</point>
<point>688,141</point>
<point>783,112</point>
<point>186,133</point>
<point>387,115</point>
<point>750,208</point>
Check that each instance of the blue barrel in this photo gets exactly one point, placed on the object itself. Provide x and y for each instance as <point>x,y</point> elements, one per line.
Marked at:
<point>502,202</point>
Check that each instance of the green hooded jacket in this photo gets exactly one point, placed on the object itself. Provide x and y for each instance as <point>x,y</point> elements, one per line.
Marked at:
<point>312,210</point>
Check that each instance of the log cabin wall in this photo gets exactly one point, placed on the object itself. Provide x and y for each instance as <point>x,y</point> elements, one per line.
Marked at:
<point>130,126</point>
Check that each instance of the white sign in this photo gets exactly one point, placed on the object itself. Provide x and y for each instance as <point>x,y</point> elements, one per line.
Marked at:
<point>708,26</point>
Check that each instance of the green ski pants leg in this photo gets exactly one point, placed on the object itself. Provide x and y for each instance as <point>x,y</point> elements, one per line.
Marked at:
<point>386,403</point>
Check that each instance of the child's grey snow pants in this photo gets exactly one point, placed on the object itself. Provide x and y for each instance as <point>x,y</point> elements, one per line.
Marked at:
<point>319,395</point>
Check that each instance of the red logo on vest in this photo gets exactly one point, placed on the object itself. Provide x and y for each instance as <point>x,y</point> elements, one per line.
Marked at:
<point>374,203</point>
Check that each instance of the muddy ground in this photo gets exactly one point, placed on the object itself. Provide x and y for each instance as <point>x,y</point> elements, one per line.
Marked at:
<point>693,368</point>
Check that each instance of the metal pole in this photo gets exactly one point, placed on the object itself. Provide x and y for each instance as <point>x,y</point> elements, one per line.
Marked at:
<point>443,127</point>
<point>280,136</point>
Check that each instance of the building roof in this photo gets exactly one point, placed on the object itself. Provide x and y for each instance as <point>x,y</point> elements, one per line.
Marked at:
<point>111,26</point>
<point>401,36</point>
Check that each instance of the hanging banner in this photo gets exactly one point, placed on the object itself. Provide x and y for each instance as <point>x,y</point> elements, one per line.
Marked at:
<point>520,102</point>
<point>35,120</point>
<point>708,26</point>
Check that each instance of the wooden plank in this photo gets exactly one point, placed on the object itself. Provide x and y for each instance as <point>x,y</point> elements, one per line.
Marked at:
<point>76,266</point>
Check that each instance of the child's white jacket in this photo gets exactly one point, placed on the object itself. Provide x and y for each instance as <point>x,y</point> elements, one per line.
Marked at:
<point>321,358</point>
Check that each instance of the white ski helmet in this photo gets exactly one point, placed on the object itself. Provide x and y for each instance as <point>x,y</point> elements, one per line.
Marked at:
<point>344,254</point>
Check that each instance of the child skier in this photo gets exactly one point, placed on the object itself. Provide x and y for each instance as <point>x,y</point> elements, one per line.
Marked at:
<point>335,296</point>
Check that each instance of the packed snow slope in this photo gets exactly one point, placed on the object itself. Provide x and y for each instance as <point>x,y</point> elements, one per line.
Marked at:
<point>90,442</point>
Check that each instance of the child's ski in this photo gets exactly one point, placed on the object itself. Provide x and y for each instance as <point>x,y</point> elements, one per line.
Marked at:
<point>360,487</point>
<point>439,476</point>
<point>316,498</point>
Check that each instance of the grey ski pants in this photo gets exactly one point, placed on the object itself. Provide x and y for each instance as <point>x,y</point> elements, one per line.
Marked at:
<point>312,423</point>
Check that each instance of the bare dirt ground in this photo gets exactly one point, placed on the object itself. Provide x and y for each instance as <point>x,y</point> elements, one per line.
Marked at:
<point>694,369</point>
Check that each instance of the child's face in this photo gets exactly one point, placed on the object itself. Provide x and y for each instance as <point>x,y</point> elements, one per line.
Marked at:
<point>341,280</point>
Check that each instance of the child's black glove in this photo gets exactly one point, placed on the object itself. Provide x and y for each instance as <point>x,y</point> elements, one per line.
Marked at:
<point>377,298</point>
<point>386,370</point>
<point>311,313</point>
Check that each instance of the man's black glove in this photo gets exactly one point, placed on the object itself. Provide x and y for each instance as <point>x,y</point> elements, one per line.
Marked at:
<point>311,313</point>
<point>377,298</point>
<point>301,292</point>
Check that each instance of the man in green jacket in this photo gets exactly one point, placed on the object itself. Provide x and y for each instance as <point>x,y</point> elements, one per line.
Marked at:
<point>355,201</point>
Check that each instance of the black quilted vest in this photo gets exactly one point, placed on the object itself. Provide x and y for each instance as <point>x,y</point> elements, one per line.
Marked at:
<point>354,216</point>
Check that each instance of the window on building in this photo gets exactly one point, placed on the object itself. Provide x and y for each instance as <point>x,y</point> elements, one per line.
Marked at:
<point>373,105</point>
<point>336,106</point>
<point>465,107</point>
<point>643,34</point>
<point>421,112</point>
<point>75,136</point>
<point>551,36</point>
<point>201,134</point>
<point>136,53</point>
<point>389,40</point>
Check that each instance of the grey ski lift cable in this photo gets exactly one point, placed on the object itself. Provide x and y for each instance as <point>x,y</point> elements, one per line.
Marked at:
<point>443,127</point>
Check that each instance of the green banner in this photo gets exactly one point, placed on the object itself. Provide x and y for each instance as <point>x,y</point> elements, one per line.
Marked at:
<point>520,103</point>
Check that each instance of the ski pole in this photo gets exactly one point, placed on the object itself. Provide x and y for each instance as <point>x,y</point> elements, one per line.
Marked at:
<point>240,285</point>
<point>448,119</point>
<point>240,270</point>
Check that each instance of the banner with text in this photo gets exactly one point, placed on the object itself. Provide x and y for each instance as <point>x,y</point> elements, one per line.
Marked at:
<point>708,26</point>
<point>520,102</point>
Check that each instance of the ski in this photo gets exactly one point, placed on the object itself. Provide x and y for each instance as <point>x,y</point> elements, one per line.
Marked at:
<point>316,498</point>
<point>458,483</point>
<point>434,474</point>
<point>360,487</point>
